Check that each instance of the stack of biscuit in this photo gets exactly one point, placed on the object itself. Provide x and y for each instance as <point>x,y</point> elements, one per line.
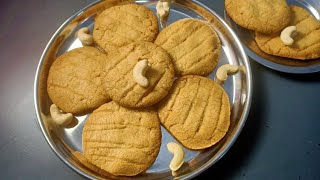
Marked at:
<point>269,18</point>
<point>122,135</point>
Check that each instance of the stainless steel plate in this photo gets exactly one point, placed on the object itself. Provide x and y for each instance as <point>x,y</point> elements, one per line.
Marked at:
<point>65,141</point>
<point>278,63</point>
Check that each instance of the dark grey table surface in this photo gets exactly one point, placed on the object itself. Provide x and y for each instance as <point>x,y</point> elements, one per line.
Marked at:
<point>281,139</point>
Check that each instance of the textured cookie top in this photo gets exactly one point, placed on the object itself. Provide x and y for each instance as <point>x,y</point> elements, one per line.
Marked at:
<point>120,25</point>
<point>74,82</point>
<point>306,42</point>
<point>193,45</point>
<point>119,81</point>
<point>265,16</point>
<point>122,141</point>
<point>196,112</point>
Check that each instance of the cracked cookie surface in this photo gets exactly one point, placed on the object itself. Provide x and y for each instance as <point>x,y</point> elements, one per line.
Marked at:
<point>193,45</point>
<point>120,25</point>
<point>265,16</point>
<point>306,42</point>
<point>74,82</point>
<point>119,81</point>
<point>122,141</point>
<point>196,112</point>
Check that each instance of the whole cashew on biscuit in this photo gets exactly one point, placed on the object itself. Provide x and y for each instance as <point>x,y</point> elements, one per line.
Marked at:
<point>224,71</point>
<point>84,36</point>
<point>139,72</point>
<point>178,155</point>
<point>58,117</point>
<point>287,34</point>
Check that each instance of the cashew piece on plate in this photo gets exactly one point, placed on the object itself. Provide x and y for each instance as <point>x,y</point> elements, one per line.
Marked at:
<point>163,10</point>
<point>178,155</point>
<point>60,118</point>
<point>84,36</point>
<point>287,34</point>
<point>139,72</point>
<point>224,71</point>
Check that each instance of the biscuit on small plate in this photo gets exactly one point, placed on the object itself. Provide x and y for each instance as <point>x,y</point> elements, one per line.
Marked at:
<point>74,82</point>
<point>306,41</point>
<point>265,16</point>
<point>120,83</point>
<point>193,45</point>
<point>120,25</point>
<point>196,112</point>
<point>122,141</point>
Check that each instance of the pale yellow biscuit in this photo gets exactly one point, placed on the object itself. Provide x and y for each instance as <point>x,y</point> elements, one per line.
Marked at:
<point>74,82</point>
<point>306,42</point>
<point>196,112</point>
<point>122,141</point>
<point>120,25</point>
<point>266,16</point>
<point>120,83</point>
<point>193,45</point>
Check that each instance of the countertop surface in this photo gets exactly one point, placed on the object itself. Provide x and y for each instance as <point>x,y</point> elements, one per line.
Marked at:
<point>281,139</point>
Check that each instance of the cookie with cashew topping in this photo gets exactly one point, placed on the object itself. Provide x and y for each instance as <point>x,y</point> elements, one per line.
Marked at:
<point>74,82</point>
<point>306,43</point>
<point>122,141</point>
<point>120,80</point>
<point>196,112</point>
<point>139,72</point>
<point>287,34</point>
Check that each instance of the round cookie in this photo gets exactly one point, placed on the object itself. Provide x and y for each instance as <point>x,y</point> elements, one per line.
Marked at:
<point>122,141</point>
<point>119,81</point>
<point>196,112</point>
<point>74,81</point>
<point>193,45</point>
<point>306,42</point>
<point>265,16</point>
<point>120,25</point>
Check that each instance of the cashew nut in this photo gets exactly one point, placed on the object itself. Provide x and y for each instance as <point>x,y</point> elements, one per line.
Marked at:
<point>58,117</point>
<point>287,34</point>
<point>178,155</point>
<point>139,72</point>
<point>224,71</point>
<point>163,10</point>
<point>84,36</point>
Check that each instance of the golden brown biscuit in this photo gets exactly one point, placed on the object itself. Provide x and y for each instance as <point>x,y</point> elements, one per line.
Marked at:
<point>120,84</point>
<point>306,43</point>
<point>74,81</point>
<point>265,16</point>
<point>89,165</point>
<point>120,25</point>
<point>196,112</point>
<point>122,141</point>
<point>193,45</point>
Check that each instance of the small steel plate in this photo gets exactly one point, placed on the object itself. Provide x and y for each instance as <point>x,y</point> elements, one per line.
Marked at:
<point>282,64</point>
<point>64,141</point>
